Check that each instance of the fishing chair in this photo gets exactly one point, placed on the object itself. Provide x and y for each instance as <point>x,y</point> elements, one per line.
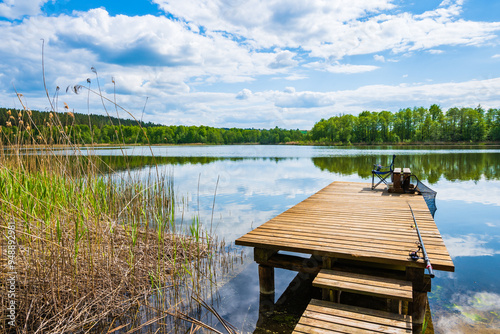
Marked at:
<point>382,173</point>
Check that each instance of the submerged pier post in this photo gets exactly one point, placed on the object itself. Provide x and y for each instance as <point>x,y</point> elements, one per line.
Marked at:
<point>266,283</point>
<point>266,279</point>
<point>419,303</point>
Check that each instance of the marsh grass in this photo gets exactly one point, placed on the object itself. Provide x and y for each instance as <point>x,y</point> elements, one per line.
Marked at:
<point>96,250</point>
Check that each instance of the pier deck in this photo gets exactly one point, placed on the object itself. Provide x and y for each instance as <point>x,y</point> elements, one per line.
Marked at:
<point>348,222</point>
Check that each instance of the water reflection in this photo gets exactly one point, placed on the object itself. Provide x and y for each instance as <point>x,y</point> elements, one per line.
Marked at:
<point>464,165</point>
<point>472,312</point>
<point>470,245</point>
<point>430,167</point>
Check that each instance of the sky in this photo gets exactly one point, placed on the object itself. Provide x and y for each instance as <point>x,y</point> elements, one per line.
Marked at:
<point>252,63</point>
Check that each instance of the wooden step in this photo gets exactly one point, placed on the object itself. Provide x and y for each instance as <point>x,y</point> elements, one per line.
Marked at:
<point>323,317</point>
<point>364,284</point>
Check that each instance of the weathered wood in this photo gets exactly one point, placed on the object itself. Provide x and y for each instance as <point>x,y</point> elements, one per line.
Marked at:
<point>310,265</point>
<point>267,292</point>
<point>350,221</point>
<point>331,250</point>
<point>382,246</point>
<point>266,280</point>
<point>262,255</point>
<point>266,307</point>
<point>357,226</point>
<point>396,179</point>
<point>406,178</point>
<point>421,284</point>
<point>364,284</point>
<point>326,317</point>
<point>418,311</point>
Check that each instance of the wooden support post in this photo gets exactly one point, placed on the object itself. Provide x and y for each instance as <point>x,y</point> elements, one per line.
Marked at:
<point>262,255</point>
<point>266,279</point>
<point>325,294</point>
<point>395,306</point>
<point>328,262</point>
<point>266,282</point>
<point>329,294</point>
<point>419,303</point>
<point>267,295</point>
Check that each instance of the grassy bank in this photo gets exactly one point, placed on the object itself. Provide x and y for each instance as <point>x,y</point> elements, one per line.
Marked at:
<point>83,246</point>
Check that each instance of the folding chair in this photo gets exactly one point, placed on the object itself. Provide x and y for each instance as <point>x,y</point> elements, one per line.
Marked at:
<point>382,173</point>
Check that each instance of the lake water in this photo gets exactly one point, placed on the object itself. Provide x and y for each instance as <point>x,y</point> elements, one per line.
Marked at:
<point>252,184</point>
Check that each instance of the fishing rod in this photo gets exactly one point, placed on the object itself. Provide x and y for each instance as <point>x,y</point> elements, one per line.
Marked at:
<point>421,246</point>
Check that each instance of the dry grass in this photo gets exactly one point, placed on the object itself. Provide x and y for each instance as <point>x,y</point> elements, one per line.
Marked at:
<point>94,249</point>
<point>90,248</point>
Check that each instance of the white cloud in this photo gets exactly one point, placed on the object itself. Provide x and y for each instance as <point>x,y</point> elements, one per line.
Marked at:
<point>294,77</point>
<point>435,51</point>
<point>265,109</point>
<point>304,99</point>
<point>496,56</point>
<point>176,62</point>
<point>283,59</point>
<point>16,9</point>
<point>335,28</point>
<point>341,68</point>
<point>276,22</point>
<point>245,94</point>
<point>147,54</point>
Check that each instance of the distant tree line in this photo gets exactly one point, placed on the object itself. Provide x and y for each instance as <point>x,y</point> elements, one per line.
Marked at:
<point>50,127</point>
<point>411,125</point>
<point>406,125</point>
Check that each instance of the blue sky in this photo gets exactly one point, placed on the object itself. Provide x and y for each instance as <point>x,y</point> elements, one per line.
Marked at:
<point>252,63</point>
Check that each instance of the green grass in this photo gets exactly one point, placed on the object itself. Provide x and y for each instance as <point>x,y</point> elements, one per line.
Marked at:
<point>94,244</point>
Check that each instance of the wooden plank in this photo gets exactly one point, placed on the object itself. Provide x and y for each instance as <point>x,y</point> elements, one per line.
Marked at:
<point>299,223</point>
<point>361,312</point>
<point>364,289</point>
<point>296,263</point>
<point>331,251</point>
<point>395,234</point>
<point>345,276</point>
<point>349,220</point>
<point>347,325</point>
<point>326,317</point>
<point>355,246</point>
<point>364,284</point>
<point>346,234</point>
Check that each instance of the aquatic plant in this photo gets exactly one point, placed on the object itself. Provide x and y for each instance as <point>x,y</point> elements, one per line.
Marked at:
<point>92,248</point>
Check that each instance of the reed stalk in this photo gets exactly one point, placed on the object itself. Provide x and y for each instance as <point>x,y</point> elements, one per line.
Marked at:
<point>92,244</point>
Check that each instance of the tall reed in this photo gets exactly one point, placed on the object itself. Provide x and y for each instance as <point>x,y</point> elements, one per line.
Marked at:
<point>93,244</point>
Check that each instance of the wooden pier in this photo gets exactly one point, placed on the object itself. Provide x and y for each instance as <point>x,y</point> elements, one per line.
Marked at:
<point>355,236</point>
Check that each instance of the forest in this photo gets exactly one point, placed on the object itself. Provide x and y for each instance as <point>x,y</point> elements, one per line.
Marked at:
<point>411,125</point>
<point>51,128</point>
<point>408,125</point>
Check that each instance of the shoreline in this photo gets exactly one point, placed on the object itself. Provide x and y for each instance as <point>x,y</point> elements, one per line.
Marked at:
<point>488,144</point>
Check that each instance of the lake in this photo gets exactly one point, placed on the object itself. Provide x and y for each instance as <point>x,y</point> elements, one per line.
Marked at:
<point>253,183</point>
